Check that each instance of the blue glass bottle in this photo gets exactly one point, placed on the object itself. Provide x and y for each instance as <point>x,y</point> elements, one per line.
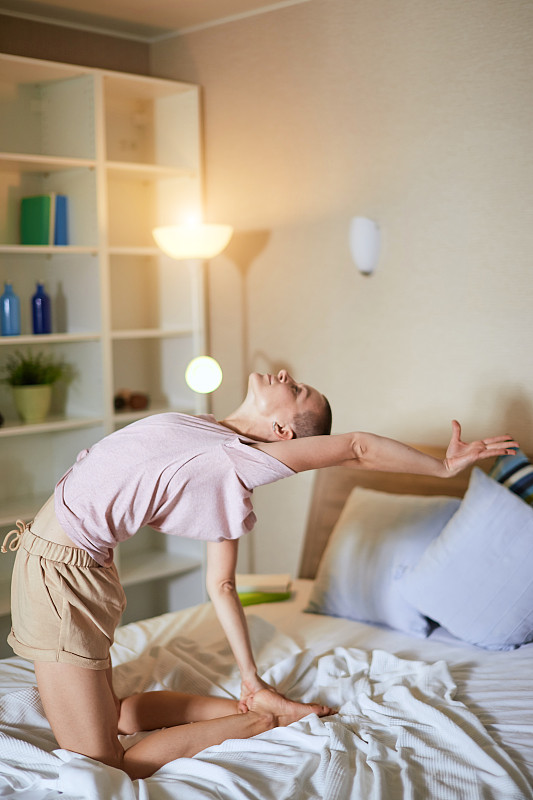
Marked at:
<point>9,311</point>
<point>41,311</point>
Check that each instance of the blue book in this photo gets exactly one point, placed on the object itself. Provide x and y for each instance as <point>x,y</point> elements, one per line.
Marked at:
<point>61,222</point>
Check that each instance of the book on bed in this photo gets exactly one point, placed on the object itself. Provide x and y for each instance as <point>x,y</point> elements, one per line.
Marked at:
<point>270,588</point>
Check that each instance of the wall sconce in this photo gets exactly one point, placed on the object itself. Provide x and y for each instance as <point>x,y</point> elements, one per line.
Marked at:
<point>365,241</point>
<point>196,241</point>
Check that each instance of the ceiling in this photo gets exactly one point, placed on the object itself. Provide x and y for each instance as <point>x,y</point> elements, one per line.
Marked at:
<point>147,20</point>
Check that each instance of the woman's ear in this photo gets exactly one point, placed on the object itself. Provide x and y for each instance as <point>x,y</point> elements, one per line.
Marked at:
<point>283,432</point>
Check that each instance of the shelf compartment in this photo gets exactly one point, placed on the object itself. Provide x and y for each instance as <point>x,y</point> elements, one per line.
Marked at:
<point>152,199</point>
<point>75,180</point>
<point>46,108</point>
<point>71,280</point>
<point>159,292</point>
<point>151,366</point>
<point>80,398</point>
<point>142,120</point>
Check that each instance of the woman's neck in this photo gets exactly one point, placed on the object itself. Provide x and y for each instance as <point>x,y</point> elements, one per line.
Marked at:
<point>244,423</point>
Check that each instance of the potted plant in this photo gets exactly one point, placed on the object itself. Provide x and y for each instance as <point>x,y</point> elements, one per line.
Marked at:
<point>31,376</point>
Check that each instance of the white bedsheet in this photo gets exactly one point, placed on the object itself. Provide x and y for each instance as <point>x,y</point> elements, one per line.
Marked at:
<point>403,731</point>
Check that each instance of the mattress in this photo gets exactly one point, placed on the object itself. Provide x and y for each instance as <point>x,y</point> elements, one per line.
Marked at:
<point>417,718</point>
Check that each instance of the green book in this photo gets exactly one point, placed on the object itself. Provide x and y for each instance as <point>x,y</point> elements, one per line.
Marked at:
<point>37,219</point>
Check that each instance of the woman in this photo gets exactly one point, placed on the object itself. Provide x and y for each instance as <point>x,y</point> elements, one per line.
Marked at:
<point>182,475</point>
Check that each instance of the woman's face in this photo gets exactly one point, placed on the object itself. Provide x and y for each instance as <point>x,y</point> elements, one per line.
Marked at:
<point>280,397</point>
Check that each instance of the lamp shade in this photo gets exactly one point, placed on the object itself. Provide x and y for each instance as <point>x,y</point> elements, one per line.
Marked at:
<point>203,375</point>
<point>198,240</point>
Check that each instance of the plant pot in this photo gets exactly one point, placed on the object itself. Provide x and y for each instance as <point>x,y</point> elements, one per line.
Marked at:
<point>33,402</point>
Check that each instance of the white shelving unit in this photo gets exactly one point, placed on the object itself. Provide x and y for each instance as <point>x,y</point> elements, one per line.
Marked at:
<point>125,150</point>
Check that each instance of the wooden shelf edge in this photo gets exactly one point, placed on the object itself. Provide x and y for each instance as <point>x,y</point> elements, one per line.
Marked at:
<point>50,338</point>
<point>151,333</point>
<point>48,249</point>
<point>154,171</point>
<point>43,163</point>
<point>148,566</point>
<point>51,425</point>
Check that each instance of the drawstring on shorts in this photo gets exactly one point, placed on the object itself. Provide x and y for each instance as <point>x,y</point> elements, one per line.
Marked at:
<point>14,544</point>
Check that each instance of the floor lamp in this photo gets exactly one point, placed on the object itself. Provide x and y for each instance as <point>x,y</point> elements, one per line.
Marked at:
<point>198,242</point>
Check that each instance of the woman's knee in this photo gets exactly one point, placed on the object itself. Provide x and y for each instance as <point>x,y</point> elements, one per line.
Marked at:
<point>128,721</point>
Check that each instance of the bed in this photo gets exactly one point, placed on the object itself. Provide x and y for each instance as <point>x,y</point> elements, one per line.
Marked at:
<point>421,715</point>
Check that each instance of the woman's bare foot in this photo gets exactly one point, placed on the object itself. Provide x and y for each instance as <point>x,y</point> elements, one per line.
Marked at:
<point>285,711</point>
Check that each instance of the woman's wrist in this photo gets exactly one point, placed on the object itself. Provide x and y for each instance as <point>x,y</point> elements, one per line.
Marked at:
<point>250,677</point>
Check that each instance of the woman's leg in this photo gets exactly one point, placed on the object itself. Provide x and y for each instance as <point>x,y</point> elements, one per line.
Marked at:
<point>149,711</point>
<point>80,706</point>
<point>162,746</point>
<point>185,741</point>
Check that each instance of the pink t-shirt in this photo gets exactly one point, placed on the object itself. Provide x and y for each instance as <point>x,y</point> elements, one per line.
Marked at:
<point>179,474</point>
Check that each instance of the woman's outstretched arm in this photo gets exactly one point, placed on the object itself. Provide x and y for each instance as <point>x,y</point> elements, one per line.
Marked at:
<point>369,451</point>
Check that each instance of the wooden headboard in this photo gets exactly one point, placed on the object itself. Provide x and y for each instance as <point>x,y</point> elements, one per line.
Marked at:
<point>334,484</point>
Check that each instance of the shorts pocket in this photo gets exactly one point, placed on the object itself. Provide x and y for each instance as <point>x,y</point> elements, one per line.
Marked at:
<point>92,605</point>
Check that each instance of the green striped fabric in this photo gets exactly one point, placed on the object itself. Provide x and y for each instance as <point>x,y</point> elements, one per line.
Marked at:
<point>515,472</point>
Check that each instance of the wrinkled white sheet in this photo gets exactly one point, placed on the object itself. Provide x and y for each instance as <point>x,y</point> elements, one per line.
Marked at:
<point>400,733</point>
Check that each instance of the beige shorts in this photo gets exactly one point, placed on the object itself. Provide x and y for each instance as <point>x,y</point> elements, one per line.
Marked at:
<point>64,605</point>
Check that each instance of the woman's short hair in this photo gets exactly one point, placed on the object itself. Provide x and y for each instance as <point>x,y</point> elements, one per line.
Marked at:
<point>313,423</point>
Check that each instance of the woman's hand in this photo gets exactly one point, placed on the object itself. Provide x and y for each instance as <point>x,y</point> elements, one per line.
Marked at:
<point>285,711</point>
<point>249,687</point>
<point>460,455</point>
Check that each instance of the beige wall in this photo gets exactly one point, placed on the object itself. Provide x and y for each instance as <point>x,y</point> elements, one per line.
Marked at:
<point>419,115</point>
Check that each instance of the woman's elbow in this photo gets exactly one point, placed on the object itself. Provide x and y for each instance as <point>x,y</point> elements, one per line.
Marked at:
<point>220,587</point>
<point>358,447</point>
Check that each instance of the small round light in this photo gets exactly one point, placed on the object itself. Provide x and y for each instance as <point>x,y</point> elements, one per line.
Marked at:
<point>203,375</point>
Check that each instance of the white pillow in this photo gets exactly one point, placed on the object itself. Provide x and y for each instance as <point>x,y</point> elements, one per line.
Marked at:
<point>377,537</point>
<point>476,579</point>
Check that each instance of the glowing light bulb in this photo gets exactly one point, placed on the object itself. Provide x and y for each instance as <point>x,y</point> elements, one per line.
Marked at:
<point>203,375</point>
